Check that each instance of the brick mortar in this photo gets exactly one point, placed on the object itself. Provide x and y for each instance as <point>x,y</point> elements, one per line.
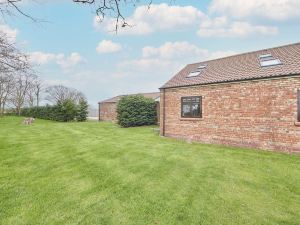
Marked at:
<point>258,114</point>
<point>108,111</point>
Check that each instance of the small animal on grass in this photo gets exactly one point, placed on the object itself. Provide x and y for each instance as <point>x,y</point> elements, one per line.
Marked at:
<point>28,121</point>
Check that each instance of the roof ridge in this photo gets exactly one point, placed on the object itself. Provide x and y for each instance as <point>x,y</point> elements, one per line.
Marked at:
<point>119,96</point>
<point>241,67</point>
<point>245,53</point>
<point>156,92</point>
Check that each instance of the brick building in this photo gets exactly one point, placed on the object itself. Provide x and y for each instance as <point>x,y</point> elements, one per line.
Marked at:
<point>108,107</point>
<point>248,100</point>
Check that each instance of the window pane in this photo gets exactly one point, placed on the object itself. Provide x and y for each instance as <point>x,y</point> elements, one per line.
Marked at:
<point>191,106</point>
<point>196,110</point>
<point>186,110</point>
<point>272,62</point>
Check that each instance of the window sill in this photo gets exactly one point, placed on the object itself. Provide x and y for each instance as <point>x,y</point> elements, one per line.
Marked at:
<point>190,119</point>
<point>297,124</point>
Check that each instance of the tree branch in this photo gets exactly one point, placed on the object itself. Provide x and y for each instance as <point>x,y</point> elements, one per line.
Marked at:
<point>105,6</point>
<point>5,6</point>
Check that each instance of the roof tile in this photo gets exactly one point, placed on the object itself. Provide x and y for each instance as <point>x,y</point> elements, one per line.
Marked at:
<point>153,95</point>
<point>241,67</point>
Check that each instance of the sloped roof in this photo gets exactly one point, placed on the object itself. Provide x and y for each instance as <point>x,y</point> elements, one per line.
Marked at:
<point>153,95</point>
<point>112,100</point>
<point>241,67</point>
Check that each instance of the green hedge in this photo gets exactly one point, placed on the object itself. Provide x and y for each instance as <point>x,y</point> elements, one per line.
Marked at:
<point>64,111</point>
<point>42,112</point>
<point>136,110</point>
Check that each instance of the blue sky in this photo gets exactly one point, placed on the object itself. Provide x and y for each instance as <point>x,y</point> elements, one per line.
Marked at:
<point>73,49</point>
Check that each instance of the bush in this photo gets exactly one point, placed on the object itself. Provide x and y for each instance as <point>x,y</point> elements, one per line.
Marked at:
<point>136,110</point>
<point>64,111</point>
<point>43,112</point>
<point>82,110</point>
<point>10,112</point>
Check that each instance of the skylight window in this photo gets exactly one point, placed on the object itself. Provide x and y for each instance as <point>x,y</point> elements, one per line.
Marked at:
<point>201,67</point>
<point>196,72</point>
<point>265,56</point>
<point>268,60</point>
<point>272,62</point>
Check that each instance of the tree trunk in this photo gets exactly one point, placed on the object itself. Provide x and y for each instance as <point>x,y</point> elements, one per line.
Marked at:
<point>3,106</point>
<point>1,109</point>
<point>19,111</point>
<point>37,100</point>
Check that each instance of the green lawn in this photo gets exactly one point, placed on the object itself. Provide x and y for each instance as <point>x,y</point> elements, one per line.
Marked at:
<point>97,173</point>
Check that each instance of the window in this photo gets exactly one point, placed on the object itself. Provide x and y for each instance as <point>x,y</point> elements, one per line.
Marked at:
<point>201,67</point>
<point>193,74</point>
<point>298,95</point>
<point>191,107</point>
<point>265,56</point>
<point>196,72</point>
<point>268,60</point>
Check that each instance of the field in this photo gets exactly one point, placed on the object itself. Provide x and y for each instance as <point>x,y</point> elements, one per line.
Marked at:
<point>98,173</point>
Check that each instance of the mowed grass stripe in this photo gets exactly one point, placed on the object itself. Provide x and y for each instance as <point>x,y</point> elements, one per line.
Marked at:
<point>98,173</point>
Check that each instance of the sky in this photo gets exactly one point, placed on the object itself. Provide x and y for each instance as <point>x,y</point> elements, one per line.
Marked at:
<point>69,45</point>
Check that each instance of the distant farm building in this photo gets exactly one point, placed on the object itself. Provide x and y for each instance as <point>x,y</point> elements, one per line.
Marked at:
<point>108,107</point>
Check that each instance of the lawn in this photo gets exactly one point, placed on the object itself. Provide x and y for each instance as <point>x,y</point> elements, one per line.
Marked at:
<point>98,173</point>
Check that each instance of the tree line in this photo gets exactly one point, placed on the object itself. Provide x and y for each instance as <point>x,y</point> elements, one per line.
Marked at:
<point>21,88</point>
<point>68,104</point>
<point>18,83</point>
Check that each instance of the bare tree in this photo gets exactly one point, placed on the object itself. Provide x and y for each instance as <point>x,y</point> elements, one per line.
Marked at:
<point>59,93</point>
<point>6,87</point>
<point>11,59</point>
<point>23,82</point>
<point>38,88</point>
<point>30,98</point>
<point>12,62</point>
<point>34,92</point>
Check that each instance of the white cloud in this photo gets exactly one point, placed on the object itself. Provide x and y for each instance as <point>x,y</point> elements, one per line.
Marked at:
<point>272,9</point>
<point>163,17</point>
<point>170,57</point>
<point>157,65</point>
<point>180,51</point>
<point>10,32</point>
<point>42,58</point>
<point>107,46</point>
<point>160,17</point>
<point>222,27</point>
<point>72,60</point>
<point>173,50</point>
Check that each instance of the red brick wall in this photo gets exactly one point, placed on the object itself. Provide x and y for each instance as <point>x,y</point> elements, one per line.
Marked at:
<point>108,111</point>
<point>257,114</point>
<point>158,112</point>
